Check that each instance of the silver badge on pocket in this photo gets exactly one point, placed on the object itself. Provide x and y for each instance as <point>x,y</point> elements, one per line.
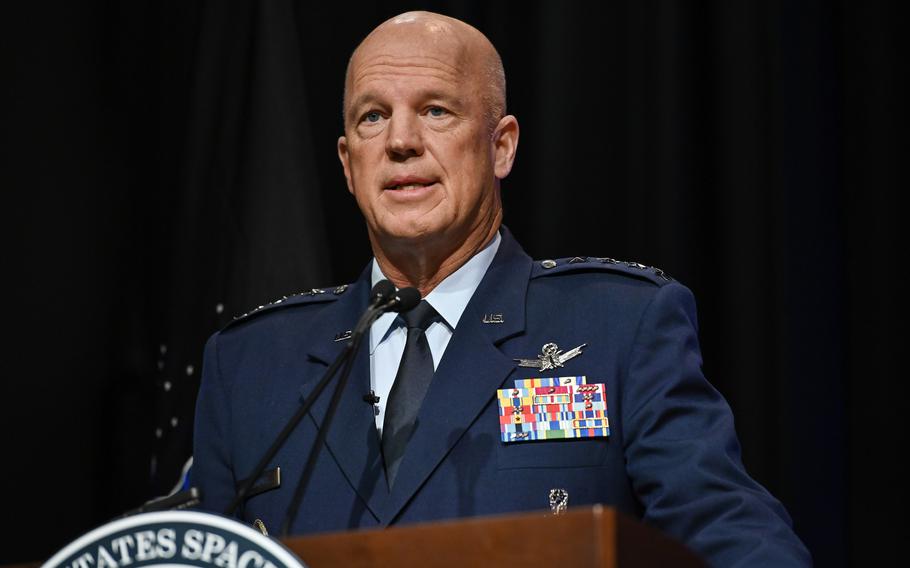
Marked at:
<point>551,357</point>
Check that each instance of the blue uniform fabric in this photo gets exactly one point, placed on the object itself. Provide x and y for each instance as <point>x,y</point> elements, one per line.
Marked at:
<point>672,457</point>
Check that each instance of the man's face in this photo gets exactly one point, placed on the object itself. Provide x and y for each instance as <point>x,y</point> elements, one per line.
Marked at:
<point>418,153</point>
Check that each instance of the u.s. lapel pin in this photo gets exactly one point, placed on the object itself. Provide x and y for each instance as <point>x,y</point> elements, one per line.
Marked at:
<point>551,357</point>
<point>493,318</point>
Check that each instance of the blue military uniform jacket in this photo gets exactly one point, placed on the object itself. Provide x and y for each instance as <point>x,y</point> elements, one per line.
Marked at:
<point>672,457</point>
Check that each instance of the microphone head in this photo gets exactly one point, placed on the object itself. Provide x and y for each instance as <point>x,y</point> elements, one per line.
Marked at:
<point>406,299</point>
<point>382,291</point>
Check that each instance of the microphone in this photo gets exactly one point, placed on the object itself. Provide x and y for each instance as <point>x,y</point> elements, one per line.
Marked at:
<point>381,292</point>
<point>386,298</point>
<point>404,300</point>
<point>370,398</point>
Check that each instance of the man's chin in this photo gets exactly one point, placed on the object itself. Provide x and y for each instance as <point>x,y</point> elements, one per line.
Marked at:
<point>411,234</point>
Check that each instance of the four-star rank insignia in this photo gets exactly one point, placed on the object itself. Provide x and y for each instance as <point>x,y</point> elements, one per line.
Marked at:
<point>551,357</point>
<point>553,408</point>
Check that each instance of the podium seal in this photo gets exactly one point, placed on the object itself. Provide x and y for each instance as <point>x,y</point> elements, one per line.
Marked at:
<point>174,538</point>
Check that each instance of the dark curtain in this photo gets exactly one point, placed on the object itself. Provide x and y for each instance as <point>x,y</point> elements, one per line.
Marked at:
<point>169,165</point>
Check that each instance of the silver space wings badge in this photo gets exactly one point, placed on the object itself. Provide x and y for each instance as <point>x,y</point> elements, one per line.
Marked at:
<point>551,357</point>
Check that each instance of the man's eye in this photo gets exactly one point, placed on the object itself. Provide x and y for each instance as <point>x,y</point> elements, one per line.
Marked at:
<point>437,112</point>
<point>372,116</point>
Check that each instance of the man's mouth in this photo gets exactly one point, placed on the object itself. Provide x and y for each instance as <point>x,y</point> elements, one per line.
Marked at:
<point>408,183</point>
<point>407,186</point>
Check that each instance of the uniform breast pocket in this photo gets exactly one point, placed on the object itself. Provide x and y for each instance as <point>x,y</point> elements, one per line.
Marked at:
<point>554,454</point>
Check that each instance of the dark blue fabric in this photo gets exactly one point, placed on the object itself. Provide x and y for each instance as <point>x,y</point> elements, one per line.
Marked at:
<point>672,457</point>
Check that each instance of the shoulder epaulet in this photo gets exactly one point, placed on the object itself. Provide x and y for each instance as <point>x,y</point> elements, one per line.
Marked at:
<point>312,296</point>
<point>552,267</point>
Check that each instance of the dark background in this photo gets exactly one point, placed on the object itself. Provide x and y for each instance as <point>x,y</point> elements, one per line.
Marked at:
<point>170,164</point>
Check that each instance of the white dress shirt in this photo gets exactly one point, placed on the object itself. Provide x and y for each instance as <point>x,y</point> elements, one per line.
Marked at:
<point>388,333</point>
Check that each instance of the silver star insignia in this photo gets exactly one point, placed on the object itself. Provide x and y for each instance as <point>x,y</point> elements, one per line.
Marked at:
<point>551,357</point>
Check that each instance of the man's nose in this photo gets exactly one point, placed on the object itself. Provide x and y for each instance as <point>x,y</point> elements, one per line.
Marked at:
<point>404,139</point>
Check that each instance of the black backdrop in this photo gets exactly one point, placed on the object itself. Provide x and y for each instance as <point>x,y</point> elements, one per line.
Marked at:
<point>170,164</point>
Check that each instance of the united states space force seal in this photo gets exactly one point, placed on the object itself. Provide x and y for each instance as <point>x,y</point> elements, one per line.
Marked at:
<point>174,538</point>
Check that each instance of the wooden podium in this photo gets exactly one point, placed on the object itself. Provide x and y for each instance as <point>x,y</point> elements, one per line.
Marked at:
<point>585,537</point>
<point>595,537</point>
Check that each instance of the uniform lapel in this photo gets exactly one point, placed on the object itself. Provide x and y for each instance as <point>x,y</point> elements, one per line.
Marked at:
<point>469,373</point>
<point>352,439</point>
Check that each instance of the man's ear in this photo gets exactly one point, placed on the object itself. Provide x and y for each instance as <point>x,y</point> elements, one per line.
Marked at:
<point>345,163</point>
<point>505,145</point>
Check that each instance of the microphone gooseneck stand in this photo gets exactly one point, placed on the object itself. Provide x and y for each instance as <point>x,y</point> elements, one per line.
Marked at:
<point>382,293</point>
<point>294,506</point>
<point>383,298</point>
<point>403,300</point>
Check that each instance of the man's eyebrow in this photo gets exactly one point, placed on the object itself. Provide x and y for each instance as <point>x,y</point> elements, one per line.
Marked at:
<point>363,99</point>
<point>367,98</point>
<point>448,98</point>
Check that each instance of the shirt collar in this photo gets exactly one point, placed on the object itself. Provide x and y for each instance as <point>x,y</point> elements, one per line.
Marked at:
<point>449,298</point>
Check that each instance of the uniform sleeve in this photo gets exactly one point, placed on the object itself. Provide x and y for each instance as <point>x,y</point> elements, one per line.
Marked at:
<point>212,471</point>
<point>682,454</point>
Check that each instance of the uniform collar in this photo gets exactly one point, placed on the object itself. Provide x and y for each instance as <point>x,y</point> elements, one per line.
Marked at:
<point>449,298</point>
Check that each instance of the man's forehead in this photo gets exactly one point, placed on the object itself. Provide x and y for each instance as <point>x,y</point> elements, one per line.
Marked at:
<point>405,68</point>
<point>418,51</point>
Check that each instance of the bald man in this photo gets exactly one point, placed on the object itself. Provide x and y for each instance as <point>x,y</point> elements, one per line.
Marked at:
<point>426,143</point>
<point>520,384</point>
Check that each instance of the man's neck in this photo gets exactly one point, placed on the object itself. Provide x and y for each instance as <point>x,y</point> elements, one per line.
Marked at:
<point>424,266</point>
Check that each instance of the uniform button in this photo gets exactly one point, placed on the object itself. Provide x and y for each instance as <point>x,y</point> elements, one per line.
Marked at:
<point>548,263</point>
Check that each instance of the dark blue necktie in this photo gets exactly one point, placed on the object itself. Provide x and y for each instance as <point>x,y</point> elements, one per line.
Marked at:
<point>411,383</point>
